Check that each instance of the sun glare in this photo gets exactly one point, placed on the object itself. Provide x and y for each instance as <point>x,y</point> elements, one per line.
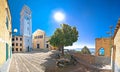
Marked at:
<point>59,16</point>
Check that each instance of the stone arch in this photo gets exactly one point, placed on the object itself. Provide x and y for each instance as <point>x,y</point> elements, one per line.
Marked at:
<point>101,51</point>
<point>103,43</point>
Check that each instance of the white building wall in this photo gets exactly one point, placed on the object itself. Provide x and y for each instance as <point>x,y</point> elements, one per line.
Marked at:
<point>26,28</point>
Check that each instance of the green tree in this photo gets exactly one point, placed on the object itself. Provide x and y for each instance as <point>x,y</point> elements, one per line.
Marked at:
<point>64,36</point>
<point>85,50</point>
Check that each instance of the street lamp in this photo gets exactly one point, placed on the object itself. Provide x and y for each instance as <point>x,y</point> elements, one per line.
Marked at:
<point>15,30</point>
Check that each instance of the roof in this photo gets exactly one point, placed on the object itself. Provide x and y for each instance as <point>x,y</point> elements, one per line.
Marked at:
<point>38,30</point>
<point>117,28</point>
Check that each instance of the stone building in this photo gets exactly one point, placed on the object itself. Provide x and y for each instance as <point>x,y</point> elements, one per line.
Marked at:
<point>116,50</point>
<point>26,27</point>
<point>41,41</point>
<point>38,39</point>
<point>103,47</point>
<point>5,36</point>
<point>17,44</point>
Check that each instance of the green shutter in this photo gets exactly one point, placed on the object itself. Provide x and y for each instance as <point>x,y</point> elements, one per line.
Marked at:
<point>7,52</point>
<point>7,22</point>
<point>10,51</point>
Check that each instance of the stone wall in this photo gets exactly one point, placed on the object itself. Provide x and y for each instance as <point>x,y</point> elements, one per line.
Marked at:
<point>5,34</point>
<point>103,43</point>
<point>87,58</point>
<point>102,60</point>
<point>117,47</point>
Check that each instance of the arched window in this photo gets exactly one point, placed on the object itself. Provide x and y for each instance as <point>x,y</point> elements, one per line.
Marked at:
<point>101,52</point>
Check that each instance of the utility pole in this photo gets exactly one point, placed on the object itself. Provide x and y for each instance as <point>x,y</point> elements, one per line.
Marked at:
<point>111,46</point>
<point>110,35</point>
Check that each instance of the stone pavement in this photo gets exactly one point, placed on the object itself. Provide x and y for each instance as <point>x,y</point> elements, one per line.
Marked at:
<point>30,62</point>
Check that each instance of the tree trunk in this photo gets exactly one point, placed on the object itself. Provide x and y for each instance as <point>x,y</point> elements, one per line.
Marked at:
<point>62,48</point>
<point>59,48</point>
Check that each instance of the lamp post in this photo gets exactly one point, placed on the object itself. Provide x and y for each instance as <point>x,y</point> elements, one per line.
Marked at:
<point>13,33</point>
<point>111,46</point>
<point>15,30</point>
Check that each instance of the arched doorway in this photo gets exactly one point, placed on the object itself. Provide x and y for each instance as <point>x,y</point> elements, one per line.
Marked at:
<point>101,52</point>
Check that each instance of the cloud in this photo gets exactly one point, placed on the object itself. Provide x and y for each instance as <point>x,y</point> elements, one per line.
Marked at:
<point>80,45</point>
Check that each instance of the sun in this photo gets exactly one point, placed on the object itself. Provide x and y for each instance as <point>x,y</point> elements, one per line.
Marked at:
<point>59,16</point>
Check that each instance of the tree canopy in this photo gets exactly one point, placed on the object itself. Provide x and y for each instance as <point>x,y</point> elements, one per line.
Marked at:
<point>64,36</point>
<point>85,50</point>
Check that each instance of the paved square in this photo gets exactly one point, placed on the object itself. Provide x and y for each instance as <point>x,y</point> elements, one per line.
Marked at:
<point>30,62</point>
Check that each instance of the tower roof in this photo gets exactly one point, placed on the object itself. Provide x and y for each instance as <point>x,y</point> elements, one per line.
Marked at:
<point>25,8</point>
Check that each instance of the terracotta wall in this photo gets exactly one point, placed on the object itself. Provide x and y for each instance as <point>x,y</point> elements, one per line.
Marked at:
<point>103,43</point>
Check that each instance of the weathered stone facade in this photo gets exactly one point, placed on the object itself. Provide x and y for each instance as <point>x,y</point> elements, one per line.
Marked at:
<point>5,34</point>
<point>38,39</point>
<point>105,43</point>
<point>117,48</point>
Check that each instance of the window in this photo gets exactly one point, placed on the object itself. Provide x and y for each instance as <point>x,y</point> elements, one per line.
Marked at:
<point>12,44</point>
<point>12,39</point>
<point>16,44</point>
<point>16,49</point>
<point>12,49</point>
<point>101,52</point>
<point>20,39</point>
<point>16,38</point>
<point>40,36</point>
<point>20,49</point>
<point>7,19</point>
<point>35,37</point>
<point>7,22</point>
<point>7,51</point>
<point>20,44</point>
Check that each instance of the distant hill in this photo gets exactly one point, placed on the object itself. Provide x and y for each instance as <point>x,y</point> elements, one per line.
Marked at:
<point>92,50</point>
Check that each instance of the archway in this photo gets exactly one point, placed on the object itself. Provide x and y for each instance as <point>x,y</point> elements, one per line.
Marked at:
<point>101,52</point>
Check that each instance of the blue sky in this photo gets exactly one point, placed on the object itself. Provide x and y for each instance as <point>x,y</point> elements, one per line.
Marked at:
<point>91,17</point>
